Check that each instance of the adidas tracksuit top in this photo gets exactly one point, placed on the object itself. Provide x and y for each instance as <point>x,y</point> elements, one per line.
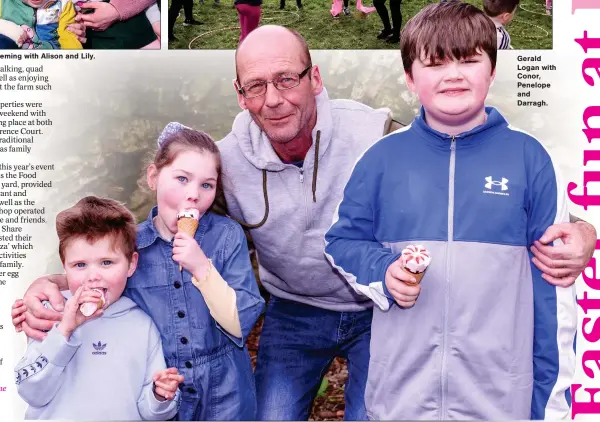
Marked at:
<point>103,372</point>
<point>488,338</point>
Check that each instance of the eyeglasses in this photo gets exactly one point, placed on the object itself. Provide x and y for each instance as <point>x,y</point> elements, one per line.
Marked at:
<point>282,82</point>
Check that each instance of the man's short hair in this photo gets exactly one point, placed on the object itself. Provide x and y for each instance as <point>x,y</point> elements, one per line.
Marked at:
<point>94,218</point>
<point>494,8</point>
<point>304,51</point>
<point>452,29</point>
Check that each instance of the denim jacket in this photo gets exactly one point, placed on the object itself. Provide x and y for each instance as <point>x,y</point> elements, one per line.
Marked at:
<point>215,365</point>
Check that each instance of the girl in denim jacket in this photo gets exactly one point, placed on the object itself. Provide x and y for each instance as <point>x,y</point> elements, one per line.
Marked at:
<point>204,311</point>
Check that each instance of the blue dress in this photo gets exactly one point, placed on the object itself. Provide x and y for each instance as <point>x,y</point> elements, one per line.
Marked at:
<point>219,382</point>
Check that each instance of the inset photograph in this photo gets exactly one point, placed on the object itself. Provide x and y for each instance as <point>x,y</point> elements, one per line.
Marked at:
<point>81,24</point>
<point>342,24</point>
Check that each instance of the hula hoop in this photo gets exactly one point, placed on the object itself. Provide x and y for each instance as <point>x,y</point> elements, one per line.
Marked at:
<point>229,28</point>
<point>535,13</point>
<point>547,34</point>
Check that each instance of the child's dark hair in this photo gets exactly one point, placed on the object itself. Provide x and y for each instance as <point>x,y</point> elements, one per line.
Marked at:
<point>176,138</point>
<point>494,8</point>
<point>451,29</point>
<point>94,218</point>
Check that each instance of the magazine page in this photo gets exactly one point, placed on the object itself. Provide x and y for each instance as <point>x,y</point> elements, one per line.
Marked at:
<point>301,210</point>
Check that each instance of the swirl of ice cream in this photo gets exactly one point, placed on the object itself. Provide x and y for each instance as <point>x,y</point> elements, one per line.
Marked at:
<point>416,259</point>
<point>189,213</point>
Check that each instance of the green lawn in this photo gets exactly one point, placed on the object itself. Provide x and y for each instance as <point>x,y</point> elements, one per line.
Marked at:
<point>531,29</point>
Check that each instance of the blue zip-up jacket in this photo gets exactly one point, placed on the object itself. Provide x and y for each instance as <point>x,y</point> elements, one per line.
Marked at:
<point>488,337</point>
<point>219,382</point>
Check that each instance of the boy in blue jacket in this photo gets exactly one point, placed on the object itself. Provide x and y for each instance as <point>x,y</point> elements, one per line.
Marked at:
<point>108,365</point>
<point>488,338</point>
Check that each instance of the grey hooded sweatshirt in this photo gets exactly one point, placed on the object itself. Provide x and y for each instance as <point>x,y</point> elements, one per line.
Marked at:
<point>103,372</point>
<point>300,200</point>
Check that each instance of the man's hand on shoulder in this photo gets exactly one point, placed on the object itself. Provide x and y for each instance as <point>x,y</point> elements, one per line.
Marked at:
<point>38,318</point>
<point>561,264</point>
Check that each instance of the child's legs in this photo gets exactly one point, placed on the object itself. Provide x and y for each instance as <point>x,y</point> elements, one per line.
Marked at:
<point>396,14</point>
<point>249,19</point>
<point>188,9</point>
<point>346,2</point>
<point>242,18</point>
<point>253,18</point>
<point>176,5</point>
<point>174,10</point>
<point>235,399</point>
<point>188,407</point>
<point>223,388</point>
<point>383,13</point>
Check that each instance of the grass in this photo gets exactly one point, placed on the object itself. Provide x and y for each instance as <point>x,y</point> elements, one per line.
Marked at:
<point>528,30</point>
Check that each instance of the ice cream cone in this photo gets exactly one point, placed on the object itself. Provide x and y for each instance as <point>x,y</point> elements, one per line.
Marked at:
<point>187,225</point>
<point>415,261</point>
<point>417,276</point>
<point>88,308</point>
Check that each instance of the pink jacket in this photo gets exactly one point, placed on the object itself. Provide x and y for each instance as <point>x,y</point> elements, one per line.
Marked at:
<point>129,8</point>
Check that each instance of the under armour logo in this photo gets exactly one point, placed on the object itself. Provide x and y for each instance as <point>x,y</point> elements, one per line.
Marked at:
<point>99,348</point>
<point>503,184</point>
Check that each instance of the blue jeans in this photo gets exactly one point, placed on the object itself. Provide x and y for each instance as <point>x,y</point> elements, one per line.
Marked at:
<point>297,344</point>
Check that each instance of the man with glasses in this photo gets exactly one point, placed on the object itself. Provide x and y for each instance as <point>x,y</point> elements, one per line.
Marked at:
<point>285,165</point>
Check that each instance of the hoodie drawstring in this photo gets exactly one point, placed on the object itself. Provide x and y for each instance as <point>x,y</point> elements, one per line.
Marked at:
<point>316,166</point>
<point>266,196</point>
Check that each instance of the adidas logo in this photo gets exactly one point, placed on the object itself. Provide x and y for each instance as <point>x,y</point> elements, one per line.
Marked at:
<point>99,348</point>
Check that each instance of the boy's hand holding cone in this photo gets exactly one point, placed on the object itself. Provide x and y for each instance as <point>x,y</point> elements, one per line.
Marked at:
<point>402,277</point>
<point>415,260</point>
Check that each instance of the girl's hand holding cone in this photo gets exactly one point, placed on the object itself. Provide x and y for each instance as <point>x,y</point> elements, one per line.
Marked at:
<point>187,222</point>
<point>189,255</point>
